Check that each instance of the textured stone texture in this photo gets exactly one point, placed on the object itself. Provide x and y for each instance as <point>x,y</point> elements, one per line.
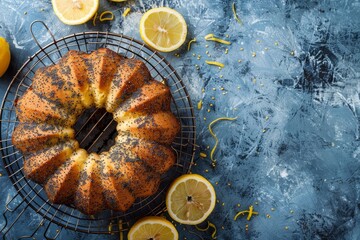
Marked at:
<point>293,152</point>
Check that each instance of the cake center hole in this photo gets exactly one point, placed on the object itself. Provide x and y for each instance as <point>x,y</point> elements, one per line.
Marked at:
<point>189,198</point>
<point>95,130</point>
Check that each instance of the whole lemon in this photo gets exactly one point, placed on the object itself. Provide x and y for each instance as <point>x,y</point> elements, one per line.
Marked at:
<point>4,56</point>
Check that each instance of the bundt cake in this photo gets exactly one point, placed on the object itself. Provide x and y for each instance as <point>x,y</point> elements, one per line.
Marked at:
<point>140,105</point>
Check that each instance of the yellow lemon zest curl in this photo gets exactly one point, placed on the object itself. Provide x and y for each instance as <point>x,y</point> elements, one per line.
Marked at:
<point>211,37</point>
<point>216,139</point>
<point>250,213</point>
<point>121,230</point>
<point>200,104</point>
<point>102,17</point>
<point>219,64</point>
<point>110,227</point>
<point>94,19</point>
<point>189,44</point>
<point>210,225</point>
<point>126,12</point>
<point>235,14</point>
<point>203,155</point>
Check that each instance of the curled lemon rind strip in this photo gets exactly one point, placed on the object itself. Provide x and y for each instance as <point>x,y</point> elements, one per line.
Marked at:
<point>200,104</point>
<point>102,18</point>
<point>94,19</point>
<point>121,230</point>
<point>212,134</point>
<point>210,225</point>
<point>235,14</point>
<point>219,64</point>
<point>126,12</point>
<point>211,37</point>
<point>189,44</point>
<point>250,213</point>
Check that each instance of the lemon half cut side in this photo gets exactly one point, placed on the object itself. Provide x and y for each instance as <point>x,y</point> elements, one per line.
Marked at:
<point>153,228</point>
<point>163,29</point>
<point>75,12</point>
<point>190,199</point>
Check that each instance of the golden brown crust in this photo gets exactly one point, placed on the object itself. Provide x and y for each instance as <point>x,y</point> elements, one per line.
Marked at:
<point>160,158</point>
<point>150,98</point>
<point>131,74</point>
<point>41,165</point>
<point>49,84</point>
<point>32,108</point>
<point>75,72</point>
<point>117,194</point>
<point>132,167</point>
<point>88,197</point>
<point>133,173</point>
<point>30,137</point>
<point>101,67</point>
<point>62,185</point>
<point>161,127</point>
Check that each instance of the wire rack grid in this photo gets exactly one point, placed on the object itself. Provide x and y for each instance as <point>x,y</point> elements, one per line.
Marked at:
<point>29,194</point>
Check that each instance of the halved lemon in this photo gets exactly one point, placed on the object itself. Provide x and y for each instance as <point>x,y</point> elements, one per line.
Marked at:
<point>4,56</point>
<point>75,12</point>
<point>153,228</point>
<point>163,29</point>
<point>190,199</point>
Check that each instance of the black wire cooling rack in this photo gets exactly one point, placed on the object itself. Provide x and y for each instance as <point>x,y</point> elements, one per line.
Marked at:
<point>30,196</point>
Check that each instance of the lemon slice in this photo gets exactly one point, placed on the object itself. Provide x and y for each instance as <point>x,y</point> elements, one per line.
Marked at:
<point>163,29</point>
<point>190,199</point>
<point>75,12</point>
<point>4,56</point>
<point>153,228</point>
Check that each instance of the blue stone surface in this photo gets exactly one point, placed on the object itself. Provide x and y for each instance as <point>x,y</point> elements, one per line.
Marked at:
<point>292,80</point>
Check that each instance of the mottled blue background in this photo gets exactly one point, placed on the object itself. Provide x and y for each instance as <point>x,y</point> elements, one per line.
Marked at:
<point>294,150</point>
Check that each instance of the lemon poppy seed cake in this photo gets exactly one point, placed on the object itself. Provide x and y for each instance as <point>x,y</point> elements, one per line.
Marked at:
<point>146,127</point>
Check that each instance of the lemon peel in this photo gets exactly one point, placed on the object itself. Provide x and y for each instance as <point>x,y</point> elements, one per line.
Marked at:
<point>202,229</point>
<point>102,18</point>
<point>121,230</point>
<point>126,12</point>
<point>5,56</point>
<point>211,37</point>
<point>213,235</point>
<point>94,19</point>
<point>215,137</point>
<point>203,155</point>
<point>199,105</point>
<point>215,63</point>
<point>190,42</point>
<point>110,227</point>
<point>210,225</point>
<point>250,213</point>
<point>235,14</point>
